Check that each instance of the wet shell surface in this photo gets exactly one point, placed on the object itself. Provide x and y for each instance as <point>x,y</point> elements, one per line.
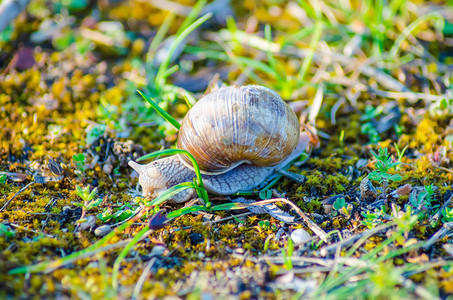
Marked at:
<point>235,125</point>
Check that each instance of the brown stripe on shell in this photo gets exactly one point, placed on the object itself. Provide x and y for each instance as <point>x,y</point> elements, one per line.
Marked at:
<point>233,125</point>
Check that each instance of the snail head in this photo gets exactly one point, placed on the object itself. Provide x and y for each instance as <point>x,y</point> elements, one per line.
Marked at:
<point>150,178</point>
<point>159,175</point>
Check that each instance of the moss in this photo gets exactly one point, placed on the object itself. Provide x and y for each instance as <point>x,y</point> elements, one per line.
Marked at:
<point>67,92</point>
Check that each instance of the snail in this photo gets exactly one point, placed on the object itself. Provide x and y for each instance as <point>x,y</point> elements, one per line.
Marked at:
<point>239,136</point>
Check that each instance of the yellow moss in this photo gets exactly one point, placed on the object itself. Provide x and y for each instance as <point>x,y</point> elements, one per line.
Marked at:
<point>425,136</point>
<point>369,246</point>
<point>423,165</point>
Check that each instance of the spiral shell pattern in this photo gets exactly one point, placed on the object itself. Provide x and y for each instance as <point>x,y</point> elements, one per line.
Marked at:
<point>235,125</point>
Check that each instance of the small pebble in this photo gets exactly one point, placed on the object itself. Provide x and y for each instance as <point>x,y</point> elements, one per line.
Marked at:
<point>361,163</point>
<point>196,238</point>
<point>107,168</point>
<point>327,203</point>
<point>279,233</point>
<point>300,236</point>
<point>158,250</point>
<point>102,230</point>
<point>88,224</point>
<point>317,217</point>
<point>327,208</point>
<point>402,191</point>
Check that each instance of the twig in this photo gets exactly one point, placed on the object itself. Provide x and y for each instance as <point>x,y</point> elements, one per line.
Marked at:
<point>408,95</point>
<point>142,278</point>
<point>9,9</point>
<point>47,267</point>
<point>307,270</point>
<point>204,223</point>
<point>381,77</point>
<point>418,289</point>
<point>384,79</point>
<point>428,265</point>
<point>316,104</point>
<point>227,218</point>
<point>20,191</point>
<point>31,230</point>
<point>301,260</point>
<point>95,251</point>
<point>447,229</point>
<point>315,228</point>
<point>38,213</point>
<point>176,8</point>
<point>335,108</point>
<point>297,260</point>
<point>442,168</point>
<point>362,235</point>
<point>436,216</point>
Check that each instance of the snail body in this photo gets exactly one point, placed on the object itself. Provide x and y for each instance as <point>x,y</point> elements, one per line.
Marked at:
<point>238,135</point>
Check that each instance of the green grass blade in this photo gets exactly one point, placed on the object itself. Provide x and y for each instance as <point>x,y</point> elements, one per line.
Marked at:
<point>258,65</point>
<point>160,111</point>
<point>202,193</point>
<point>409,29</point>
<point>171,192</point>
<point>160,79</point>
<point>165,152</point>
<point>206,53</point>
<point>270,55</point>
<point>195,208</point>
<point>228,206</point>
<point>122,255</point>
<point>299,35</point>
<point>377,27</point>
<point>188,97</point>
<point>157,40</point>
<point>196,10</point>
<point>170,71</point>
<point>241,63</point>
<point>52,265</point>
<point>313,44</point>
<point>309,10</point>
<point>272,183</point>
<point>186,210</point>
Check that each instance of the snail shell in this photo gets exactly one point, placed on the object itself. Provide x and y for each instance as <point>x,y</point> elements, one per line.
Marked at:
<point>238,135</point>
<point>235,125</point>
